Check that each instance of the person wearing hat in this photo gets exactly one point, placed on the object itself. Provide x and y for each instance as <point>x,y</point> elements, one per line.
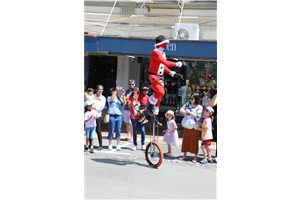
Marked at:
<point>171,134</point>
<point>90,117</point>
<point>207,135</point>
<point>115,118</point>
<point>143,99</point>
<point>158,66</point>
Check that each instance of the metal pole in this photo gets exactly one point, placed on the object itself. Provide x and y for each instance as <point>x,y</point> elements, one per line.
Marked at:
<point>136,21</point>
<point>108,18</point>
<point>181,10</point>
<point>133,21</point>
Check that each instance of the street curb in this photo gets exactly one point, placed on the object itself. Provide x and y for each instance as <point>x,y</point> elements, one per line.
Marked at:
<point>124,135</point>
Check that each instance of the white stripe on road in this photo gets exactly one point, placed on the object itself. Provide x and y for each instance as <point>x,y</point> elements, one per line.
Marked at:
<point>126,144</point>
<point>112,152</point>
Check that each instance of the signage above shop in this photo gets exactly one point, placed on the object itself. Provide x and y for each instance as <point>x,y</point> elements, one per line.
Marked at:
<point>145,46</point>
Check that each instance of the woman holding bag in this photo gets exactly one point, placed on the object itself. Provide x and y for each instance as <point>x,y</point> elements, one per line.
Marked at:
<point>191,136</point>
<point>115,116</point>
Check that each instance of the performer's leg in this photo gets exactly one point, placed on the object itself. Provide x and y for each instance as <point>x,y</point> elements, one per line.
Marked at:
<point>155,99</point>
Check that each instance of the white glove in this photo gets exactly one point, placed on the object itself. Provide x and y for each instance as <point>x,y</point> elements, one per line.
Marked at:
<point>172,73</point>
<point>179,64</point>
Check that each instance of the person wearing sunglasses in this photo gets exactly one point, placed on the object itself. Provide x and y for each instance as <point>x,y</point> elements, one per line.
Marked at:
<point>126,111</point>
<point>190,140</point>
<point>206,135</point>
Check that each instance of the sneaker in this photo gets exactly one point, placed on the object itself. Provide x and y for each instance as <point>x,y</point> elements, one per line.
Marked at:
<point>210,161</point>
<point>140,120</point>
<point>118,148</point>
<point>215,159</point>
<point>144,147</point>
<point>110,147</point>
<point>133,148</point>
<point>92,151</point>
<point>86,149</point>
<point>145,121</point>
<point>99,148</point>
<point>203,161</point>
<point>150,109</point>
<point>156,122</point>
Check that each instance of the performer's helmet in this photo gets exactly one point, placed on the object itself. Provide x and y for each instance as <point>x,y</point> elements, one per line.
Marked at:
<point>160,40</point>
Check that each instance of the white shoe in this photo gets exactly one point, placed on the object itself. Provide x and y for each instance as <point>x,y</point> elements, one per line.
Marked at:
<point>110,147</point>
<point>118,148</point>
<point>133,148</point>
<point>144,147</point>
<point>156,110</point>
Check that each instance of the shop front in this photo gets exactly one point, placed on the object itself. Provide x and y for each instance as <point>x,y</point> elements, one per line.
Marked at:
<point>121,59</point>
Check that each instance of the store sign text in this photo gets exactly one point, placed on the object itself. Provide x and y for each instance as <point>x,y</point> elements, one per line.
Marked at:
<point>171,47</point>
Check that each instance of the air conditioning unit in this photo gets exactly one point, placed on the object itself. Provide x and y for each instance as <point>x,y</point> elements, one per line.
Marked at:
<point>186,31</point>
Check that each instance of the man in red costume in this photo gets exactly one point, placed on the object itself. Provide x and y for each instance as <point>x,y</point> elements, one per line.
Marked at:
<point>158,66</point>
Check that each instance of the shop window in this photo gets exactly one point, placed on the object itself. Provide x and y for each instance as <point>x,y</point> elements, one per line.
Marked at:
<point>201,77</point>
<point>102,70</point>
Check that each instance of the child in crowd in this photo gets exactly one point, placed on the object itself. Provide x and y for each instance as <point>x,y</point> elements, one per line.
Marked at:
<point>171,135</point>
<point>206,135</point>
<point>143,99</point>
<point>90,117</point>
<point>89,96</point>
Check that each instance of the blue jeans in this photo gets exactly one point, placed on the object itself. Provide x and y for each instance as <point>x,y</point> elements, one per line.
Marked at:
<point>135,124</point>
<point>115,122</point>
<point>90,132</point>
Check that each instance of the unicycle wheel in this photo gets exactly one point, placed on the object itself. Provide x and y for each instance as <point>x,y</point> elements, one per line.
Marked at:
<point>154,154</point>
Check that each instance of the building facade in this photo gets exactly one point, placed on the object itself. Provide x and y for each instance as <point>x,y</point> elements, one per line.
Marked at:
<point>120,39</point>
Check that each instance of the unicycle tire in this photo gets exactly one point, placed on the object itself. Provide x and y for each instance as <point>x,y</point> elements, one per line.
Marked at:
<point>154,159</point>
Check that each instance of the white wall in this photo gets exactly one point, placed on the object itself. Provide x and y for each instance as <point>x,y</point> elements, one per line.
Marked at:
<point>151,24</point>
<point>123,71</point>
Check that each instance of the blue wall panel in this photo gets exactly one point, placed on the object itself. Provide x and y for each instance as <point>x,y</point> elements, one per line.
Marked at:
<point>145,46</point>
<point>91,44</point>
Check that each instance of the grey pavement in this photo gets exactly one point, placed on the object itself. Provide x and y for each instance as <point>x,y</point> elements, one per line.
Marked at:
<point>125,174</point>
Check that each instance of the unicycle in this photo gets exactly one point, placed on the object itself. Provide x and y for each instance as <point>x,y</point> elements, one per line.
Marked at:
<point>153,153</point>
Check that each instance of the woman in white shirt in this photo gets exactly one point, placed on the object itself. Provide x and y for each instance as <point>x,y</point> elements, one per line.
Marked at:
<point>99,104</point>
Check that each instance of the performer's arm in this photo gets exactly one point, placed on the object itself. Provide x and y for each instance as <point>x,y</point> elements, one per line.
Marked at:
<point>157,56</point>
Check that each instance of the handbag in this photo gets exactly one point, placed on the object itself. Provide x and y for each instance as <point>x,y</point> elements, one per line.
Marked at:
<point>106,118</point>
<point>188,122</point>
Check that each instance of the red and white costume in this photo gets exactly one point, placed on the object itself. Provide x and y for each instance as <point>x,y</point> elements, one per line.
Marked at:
<point>158,66</point>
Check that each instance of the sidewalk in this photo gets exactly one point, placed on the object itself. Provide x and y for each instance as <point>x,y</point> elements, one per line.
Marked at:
<point>147,138</point>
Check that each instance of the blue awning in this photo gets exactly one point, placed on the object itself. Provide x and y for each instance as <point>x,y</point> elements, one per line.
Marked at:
<point>145,47</point>
<point>91,44</point>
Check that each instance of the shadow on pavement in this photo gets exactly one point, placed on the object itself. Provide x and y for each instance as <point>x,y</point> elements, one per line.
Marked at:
<point>187,158</point>
<point>120,162</point>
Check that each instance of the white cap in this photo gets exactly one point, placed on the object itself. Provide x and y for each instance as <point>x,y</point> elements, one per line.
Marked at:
<point>169,112</point>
